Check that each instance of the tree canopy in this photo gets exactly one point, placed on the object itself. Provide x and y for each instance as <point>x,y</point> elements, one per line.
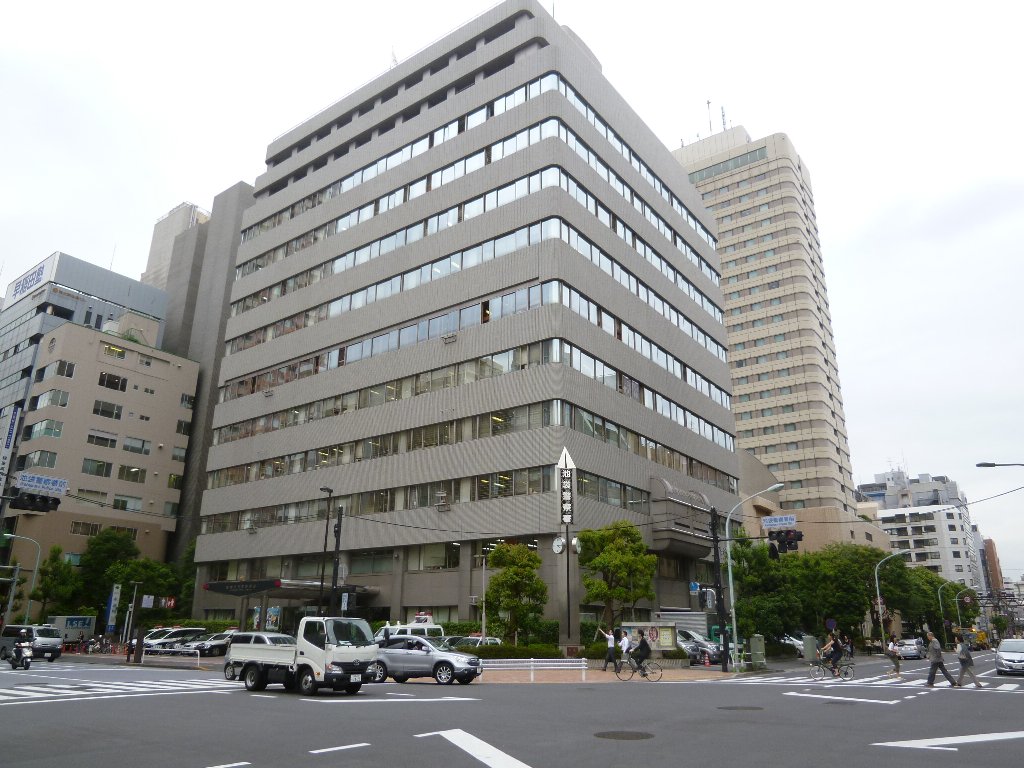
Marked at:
<point>517,591</point>
<point>617,570</point>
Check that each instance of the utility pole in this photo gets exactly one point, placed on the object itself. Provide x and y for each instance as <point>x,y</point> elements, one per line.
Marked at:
<point>719,597</point>
<point>333,603</point>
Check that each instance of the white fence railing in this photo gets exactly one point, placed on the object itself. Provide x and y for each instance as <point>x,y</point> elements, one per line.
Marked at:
<point>536,664</point>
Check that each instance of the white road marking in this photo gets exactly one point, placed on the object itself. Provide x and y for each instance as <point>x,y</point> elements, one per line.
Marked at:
<point>940,742</point>
<point>336,749</point>
<point>481,750</point>
<point>363,700</point>
<point>63,699</point>
<point>840,698</point>
<point>229,765</point>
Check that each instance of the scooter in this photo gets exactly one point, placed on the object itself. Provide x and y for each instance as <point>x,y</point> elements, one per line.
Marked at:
<point>21,655</point>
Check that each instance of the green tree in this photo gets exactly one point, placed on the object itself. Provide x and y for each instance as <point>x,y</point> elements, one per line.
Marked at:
<point>157,579</point>
<point>517,592</point>
<point>57,586</point>
<point>617,570</point>
<point>766,602</point>
<point>103,550</point>
<point>836,583</point>
<point>999,624</point>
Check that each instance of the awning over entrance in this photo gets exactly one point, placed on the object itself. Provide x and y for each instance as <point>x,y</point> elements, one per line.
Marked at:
<point>680,520</point>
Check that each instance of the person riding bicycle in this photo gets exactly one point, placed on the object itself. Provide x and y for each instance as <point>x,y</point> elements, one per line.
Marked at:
<point>641,652</point>
<point>833,651</point>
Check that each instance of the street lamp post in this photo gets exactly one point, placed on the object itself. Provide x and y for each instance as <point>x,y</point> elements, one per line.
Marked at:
<point>28,606</point>
<point>878,595</point>
<point>334,570</point>
<point>323,561</point>
<point>956,599</point>
<point>483,598</point>
<point>728,557</point>
<point>942,612</point>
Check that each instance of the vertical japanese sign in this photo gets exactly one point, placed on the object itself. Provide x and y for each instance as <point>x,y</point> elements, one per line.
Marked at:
<point>115,598</point>
<point>565,486</point>
<point>10,432</point>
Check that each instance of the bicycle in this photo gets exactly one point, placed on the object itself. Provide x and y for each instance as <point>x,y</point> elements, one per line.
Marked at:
<point>649,670</point>
<point>820,666</point>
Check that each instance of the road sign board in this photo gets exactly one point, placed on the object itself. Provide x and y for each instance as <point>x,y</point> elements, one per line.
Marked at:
<point>967,600</point>
<point>777,521</point>
<point>54,486</point>
<point>694,587</point>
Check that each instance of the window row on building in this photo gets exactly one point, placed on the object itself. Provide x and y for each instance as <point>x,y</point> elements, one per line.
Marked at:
<point>476,117</point>
<point>492,485</point>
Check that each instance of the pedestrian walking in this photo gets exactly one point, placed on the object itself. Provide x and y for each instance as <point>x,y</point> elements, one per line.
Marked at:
<point>893,652</point>
<point>963,653</point>
<point>934,652</point>
<point>624,646</point>
<point>609,656</point>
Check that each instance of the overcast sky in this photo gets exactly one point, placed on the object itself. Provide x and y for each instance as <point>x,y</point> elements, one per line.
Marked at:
<point>904,112</point>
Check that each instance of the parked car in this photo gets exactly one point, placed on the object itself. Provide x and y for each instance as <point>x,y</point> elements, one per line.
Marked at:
<point>797,641</point>
<point>1010,657</point>
<point>210,644</point>
<point>175,637</point>
<point>910,649</point>
<point>405,657</point>
<point>475,642</point>
<point>697,646</point>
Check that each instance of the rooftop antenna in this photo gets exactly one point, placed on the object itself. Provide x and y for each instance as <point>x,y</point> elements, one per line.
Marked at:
<point>112,255</point>
<point>710,129</point>
<point>723,119</point>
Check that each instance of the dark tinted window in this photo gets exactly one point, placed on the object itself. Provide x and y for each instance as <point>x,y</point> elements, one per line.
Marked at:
<point>241,639</point>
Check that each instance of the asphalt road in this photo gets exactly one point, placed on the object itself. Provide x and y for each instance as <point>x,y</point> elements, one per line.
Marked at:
<point>88,715</point>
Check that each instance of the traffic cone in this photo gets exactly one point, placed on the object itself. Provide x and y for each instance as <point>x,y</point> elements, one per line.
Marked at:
<point>707,660</point>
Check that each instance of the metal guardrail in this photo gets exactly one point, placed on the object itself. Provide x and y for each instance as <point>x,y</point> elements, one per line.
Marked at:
<point>534,664</point>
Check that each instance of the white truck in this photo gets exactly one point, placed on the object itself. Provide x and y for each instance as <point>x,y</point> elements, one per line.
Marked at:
<point>329,652</point>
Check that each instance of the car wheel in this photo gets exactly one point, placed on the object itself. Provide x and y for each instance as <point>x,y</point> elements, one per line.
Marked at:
<point>353,688</point>
<point>400,678</point>
<point>999,672</point>
<point>255,678</point>
<point>307,682</point>
<point>3,654</point>
<point>229,671</point>
<point>378,672</point>
<point>444,673</point>
<point>465,680</point>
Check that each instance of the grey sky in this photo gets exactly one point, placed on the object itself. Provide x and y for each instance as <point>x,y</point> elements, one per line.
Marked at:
<point>113,113</point>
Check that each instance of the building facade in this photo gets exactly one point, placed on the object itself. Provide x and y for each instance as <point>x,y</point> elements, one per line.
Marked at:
<point>100,406</point>
<point>477,260</point>
<point>928,518</point>
<point>786,394</point>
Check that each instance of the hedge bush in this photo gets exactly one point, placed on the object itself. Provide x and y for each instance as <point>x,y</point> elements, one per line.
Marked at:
<point>517,652</point>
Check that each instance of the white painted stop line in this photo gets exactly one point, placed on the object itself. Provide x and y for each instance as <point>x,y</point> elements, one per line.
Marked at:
<point>481,750</point>
<point>942,742</point>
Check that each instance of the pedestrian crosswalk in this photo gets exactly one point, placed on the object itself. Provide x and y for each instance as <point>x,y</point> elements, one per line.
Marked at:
<point>38,690</point>
<point>916,681</point>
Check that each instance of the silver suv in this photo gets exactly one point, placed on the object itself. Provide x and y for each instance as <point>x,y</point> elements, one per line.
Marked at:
<point>404,657</point>
<point>46,640</point>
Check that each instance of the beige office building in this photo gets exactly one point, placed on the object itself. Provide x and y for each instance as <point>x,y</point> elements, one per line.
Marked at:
<point>786,395</point>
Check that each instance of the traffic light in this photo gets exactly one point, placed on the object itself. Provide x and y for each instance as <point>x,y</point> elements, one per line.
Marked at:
<point>773,548</point>
<point>793,538</point>
<point>35,502</point>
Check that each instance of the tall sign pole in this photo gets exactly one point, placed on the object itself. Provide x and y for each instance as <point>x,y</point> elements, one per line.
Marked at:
<point>719,597</point>
<point>566,490</point>
<point>9,426</point>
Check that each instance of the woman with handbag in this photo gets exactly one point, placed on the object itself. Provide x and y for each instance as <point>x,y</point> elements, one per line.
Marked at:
<point>893,652</point>
<point>963,653</point>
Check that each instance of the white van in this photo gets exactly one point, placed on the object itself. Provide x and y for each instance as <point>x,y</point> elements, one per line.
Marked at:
<point>421,627</point>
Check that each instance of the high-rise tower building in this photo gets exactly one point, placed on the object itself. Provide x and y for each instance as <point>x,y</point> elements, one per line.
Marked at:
<point>473,262</point>
<point>786,394</point>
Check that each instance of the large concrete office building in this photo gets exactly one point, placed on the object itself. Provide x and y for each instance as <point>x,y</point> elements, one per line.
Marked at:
<point>476,260</point>
<point>786,394</point>
<point>98,405</point>
<point>928,518</point>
